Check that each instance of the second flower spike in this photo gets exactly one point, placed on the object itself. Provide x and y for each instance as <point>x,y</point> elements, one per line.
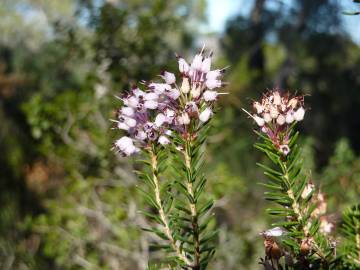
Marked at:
<point>275,113</point>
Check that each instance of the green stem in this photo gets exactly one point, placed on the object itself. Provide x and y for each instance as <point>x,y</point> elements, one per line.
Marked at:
<point>192,205</point>
<point>298,212</point>
<point>163,217</point>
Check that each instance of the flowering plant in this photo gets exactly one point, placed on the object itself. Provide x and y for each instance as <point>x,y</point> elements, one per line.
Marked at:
<point>162,118</point>
<point>300,237</point>
<point>168,122</point>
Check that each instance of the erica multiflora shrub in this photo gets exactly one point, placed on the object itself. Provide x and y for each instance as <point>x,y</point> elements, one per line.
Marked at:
<point>167,121</point>
<point>299,238</point>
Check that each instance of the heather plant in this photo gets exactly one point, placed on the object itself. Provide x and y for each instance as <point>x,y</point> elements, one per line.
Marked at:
<point>302,236</point>
<point>66,204</point>
<point>168,122</point>
<point>299,237</point>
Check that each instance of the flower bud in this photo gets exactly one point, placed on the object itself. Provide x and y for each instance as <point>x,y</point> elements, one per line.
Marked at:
<point>191,73</point>
<point>321,205</point>
<point>173,94</point>
<point>168,77</point>
<point>151,104</point>
<point>326,227</point>
<point>183,65</point>
<point>128,111</point>
<point>267,117</point>
<point>197,62</point>
<point>206,65</point>
<point>130,122</point>
<point>258,107</point>
<point>293,103</point>
<point>131,102</point>
<point>184,119</point>
<point>163,140</point>
<point>159,88</point>
<point>211,84</point>
<point>264,129</point>
<point>126,146</point>
<point>274,112</point>
<point>195,92</point>
<point>277,98</point>
<point>205,115</point>
<point>140,135</point>
<point>299,114</point>
<point>210,95</point>
<point>289,118</point>
<point>307,190</point>
<point>128,151</point>
<point>185,86</point>
<point>280,120</point>
<point>160,119</point>
<point>259,121</point>
<point>213,74</point>
<point>170,114</point>
<point>274,232</point>
<point>138,93</point>
<point>284,149</point>
<point>122,126</point>
<point>151,96</point>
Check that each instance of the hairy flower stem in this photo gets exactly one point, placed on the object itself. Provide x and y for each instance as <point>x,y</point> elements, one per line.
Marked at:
<point>192,205</point>
<point>163,217</point>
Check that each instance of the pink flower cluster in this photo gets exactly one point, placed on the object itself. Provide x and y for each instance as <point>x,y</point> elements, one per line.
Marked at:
<point>275,113</point>
<point>152,114</point>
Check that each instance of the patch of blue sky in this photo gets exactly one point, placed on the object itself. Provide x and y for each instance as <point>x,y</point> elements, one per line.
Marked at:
<point>219,11</point>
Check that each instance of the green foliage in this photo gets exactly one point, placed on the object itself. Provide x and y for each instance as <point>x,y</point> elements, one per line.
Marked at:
<point>159,197</point>
<point>58,115</point>
<point>69,118</point>
<point>178,206</point>
<point>285,188</point>
<point>194,218</point>
<point>162,26</point>
<point>340,179</point>
<point>83,231</point>
<point>350,246</point>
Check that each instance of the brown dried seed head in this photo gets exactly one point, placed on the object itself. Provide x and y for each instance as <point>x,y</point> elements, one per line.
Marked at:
<point>305,246</point>
<point>272,250</point>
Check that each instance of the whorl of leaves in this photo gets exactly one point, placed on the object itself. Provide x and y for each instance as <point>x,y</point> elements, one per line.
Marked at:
<point>285,187</point>
<point>178,211</point>
<point>192,216</point>
<point>159,196</point>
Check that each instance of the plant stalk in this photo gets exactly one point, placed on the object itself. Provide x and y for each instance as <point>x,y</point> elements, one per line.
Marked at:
<point>192,205</point>
<point>167,230</point>
<point>298,213</point>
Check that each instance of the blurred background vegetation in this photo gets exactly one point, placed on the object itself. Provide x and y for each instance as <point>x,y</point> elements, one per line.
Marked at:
<point>68,202</point>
